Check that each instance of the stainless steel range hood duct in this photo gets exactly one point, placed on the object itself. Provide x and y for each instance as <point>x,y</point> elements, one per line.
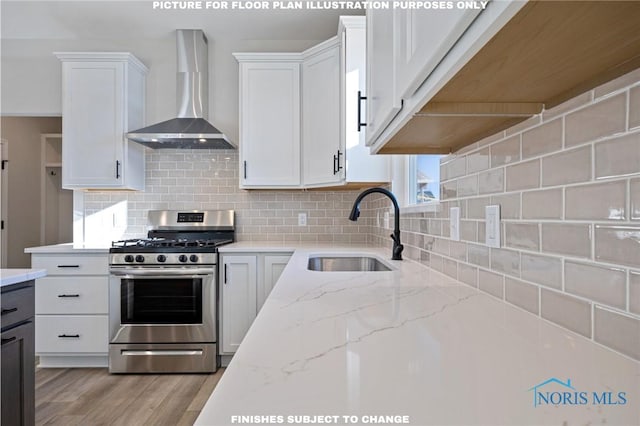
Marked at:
<point>189,129</point>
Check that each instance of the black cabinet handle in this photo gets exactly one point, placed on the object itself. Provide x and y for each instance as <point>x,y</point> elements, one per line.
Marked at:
<point>245,169</point>
<point>68,266</point>
<point>360,99</point>
<point>339,166</point>
<point>73,336</point>
<point>117,169</point>
<point>8,311</point>
<point>225,273</point>
<point>335,164</point>
<point>68,295</point>
<point>10,339</point>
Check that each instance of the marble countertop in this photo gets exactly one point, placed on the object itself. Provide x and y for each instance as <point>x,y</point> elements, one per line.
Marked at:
<point>14,276</point>
<point>67,248</point>
<point>415,345</point>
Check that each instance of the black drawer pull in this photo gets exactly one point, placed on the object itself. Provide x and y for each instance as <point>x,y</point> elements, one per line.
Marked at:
<point>10,339</point>
<point>68,266</point>
<point>73,336</point>
<point>8,311</point>
<point>68,295</point>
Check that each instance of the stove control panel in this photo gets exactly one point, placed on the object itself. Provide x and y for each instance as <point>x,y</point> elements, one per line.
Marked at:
<point>163,259</point>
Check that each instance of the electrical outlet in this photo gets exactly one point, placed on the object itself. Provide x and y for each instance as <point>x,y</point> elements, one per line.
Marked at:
<point>492,226</point>
<point>302,219</point>
<point>386,220</point>
<point>454,223</point>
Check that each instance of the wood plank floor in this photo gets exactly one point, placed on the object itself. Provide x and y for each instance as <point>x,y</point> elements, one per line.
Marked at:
<point>91,396</point>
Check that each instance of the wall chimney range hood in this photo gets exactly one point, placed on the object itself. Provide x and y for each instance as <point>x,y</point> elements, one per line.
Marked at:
<point>189,129</point>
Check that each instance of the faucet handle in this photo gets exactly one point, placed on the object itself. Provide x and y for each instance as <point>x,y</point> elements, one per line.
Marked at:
<point>397,252</point>
<point>395,239</point>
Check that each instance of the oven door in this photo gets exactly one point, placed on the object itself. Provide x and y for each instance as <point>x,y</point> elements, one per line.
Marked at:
<point>162,305</point>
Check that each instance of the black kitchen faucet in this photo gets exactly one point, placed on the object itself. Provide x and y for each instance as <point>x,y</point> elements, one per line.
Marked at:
<point>396,254</point>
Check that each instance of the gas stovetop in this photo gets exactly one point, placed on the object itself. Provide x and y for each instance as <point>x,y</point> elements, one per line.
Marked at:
<point>177,237</point>
<point>161,245</point>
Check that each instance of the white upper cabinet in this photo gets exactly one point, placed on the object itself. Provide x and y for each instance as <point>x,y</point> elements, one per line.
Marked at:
<point>383,101</point>
<point>269,121</point>
<point>412,54</point>
<point>299,115</point>
<point>323,156</point>
<point>360,164</point>
<point>424,36</point>
<point>103,97</point>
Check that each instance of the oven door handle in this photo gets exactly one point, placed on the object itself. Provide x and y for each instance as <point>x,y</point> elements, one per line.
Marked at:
<point>162,273</point>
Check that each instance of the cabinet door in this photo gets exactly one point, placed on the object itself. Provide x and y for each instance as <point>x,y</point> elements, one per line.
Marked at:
<point>360,164</point>
<point>383,101</point>
<point>424,38</point>
<point>273,267</point>
<point>18,376</point>
<point>269,124</point>
<point>238,296</point>
<point>321,118</point>
<point>93,124</point>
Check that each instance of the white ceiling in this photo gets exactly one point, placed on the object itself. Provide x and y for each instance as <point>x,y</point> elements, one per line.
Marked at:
<point>122,19</point>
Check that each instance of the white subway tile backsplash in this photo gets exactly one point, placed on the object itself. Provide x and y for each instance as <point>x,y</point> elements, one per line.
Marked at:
<point>618,244</point>
<point>569,239</point>
<point>634,292</point>
<point>604,118</point>
<point>618,331</point>
<point>491,282</point>
<point>606,285</point>
<point>506,261</point>
<point>505,152</point>
<point>567,167</point>
<point>543,270</point>
<point>491,181</point>
<point>634,107</point>
<point>542,140</point>
<point>522,294</point>
<point>605,201</point>
<point>522,236</point>
<point>523,176</point>
<point>568,311</point>
<point>542,204</point>
<point>618,157</point>
<point>635,199</point>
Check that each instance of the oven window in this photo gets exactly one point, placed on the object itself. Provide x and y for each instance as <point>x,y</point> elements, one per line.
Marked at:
<point>161,301</point>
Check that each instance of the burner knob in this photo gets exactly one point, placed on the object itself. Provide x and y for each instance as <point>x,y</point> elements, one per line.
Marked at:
<point>182,258</point>
<point>128,258</point>
<point>162,258</point>
<point>140,258</point>
<point>193,258</point>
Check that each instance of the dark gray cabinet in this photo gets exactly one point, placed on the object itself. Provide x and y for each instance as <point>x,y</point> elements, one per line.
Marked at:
<point>18,355</point>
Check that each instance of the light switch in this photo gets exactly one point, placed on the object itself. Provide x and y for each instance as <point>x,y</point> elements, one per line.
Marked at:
<point>492,226</point>
<point>454,223</point>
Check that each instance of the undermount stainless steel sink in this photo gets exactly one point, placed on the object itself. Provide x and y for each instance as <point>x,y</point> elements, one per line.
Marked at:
<point>346,264</point>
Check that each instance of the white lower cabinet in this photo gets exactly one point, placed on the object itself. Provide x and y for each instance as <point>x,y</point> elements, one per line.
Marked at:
<point>72,309</point>
<point>273,267</point>
<point>246,280</point>
<point>238,296</point>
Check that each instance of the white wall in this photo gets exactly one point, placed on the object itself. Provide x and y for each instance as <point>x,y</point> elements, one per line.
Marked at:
<point>24,211</point>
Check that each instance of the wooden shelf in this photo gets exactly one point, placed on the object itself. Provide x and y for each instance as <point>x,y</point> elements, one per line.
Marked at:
<point>548,53</point>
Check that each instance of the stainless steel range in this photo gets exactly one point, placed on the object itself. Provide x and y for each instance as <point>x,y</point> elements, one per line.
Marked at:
<point>163,290</point>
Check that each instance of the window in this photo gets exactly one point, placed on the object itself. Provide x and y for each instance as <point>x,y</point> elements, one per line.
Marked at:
<point>423,182</point>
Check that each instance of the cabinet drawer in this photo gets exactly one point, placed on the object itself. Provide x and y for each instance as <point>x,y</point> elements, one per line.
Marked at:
<point>72,295</point>
<point>72,264</point>
<point>17,306</point>
<point>72,334</point>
